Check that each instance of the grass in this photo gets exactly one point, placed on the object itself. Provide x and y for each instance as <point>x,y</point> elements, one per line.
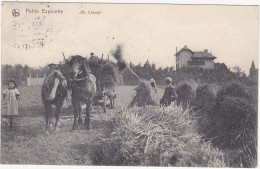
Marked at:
<point>139,136</point>
<point>27,143</point>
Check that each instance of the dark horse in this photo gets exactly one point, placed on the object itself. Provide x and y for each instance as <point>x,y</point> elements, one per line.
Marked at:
<point>54,91</point>
<point>83,85</point>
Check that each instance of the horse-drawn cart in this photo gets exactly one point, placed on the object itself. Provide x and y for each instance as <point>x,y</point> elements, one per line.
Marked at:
<point>106,99</point>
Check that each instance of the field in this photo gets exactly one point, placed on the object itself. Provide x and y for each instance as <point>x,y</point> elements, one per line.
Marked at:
<point>205,127</point>
<point>27,143</point>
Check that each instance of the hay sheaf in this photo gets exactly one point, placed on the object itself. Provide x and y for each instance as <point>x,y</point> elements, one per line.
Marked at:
<point>233,90</point>
<point>204,99</point>
<point>145,95</point>
<point>234,123</point>
<point>105,72</point>
<point>185,94</point>
<point>154,136</point>
<point>203,104</point>
<point>236,114</point>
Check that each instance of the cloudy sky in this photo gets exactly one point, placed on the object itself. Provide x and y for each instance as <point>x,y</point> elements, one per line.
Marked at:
<point>147,31</point>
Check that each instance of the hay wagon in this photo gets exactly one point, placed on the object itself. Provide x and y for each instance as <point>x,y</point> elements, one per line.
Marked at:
<point>106,99</point>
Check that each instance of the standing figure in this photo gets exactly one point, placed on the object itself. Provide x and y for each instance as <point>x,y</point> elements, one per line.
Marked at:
<point>10,98</point>
<point>52,67</point>
<point>169,93</point>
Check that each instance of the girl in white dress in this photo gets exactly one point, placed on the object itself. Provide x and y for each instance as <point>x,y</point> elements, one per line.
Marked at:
<point>11,97</point>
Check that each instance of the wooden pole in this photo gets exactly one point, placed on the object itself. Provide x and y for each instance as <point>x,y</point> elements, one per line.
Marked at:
<point>134,73</point>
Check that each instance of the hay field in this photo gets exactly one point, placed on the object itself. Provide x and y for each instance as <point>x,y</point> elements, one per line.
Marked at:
<point>27,144</point>
<point>194,136</point>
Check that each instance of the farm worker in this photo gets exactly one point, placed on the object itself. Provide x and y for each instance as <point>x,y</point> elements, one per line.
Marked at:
<point>92,54</point>
<point>10,100</point>
<point>153,84</point>
<point>169,93</point>
<point>52,67</point>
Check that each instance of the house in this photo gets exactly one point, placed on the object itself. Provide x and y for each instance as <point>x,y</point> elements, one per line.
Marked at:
<point>186,58</point>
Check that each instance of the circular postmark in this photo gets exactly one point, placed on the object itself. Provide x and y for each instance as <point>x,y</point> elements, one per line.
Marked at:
<point>16,12</point>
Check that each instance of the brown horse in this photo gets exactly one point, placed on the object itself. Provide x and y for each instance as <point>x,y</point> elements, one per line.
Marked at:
<point>83,85</point>
<point>54,91</point>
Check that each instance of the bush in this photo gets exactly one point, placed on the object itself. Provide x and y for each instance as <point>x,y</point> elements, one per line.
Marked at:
<point>155,136</point>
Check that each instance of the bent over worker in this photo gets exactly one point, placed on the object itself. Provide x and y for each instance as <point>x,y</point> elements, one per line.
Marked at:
<point>169,93</point>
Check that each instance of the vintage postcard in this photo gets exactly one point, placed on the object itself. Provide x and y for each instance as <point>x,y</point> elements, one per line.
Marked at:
<point>109,84</point>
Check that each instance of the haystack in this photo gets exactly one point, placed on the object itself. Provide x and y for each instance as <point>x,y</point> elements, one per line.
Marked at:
<point>234,123</point>
<point>184,94</point>
<point>146,94</point>
<point>233,90</point>
<point>204,98</point>
<point>203,104</point>
<point>105,72</point>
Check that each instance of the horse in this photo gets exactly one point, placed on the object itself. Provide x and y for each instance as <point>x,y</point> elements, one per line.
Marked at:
<point>54,92</point>
<point>84,88</point>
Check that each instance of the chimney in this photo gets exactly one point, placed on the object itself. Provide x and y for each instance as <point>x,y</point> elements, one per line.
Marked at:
<point>206,50</point>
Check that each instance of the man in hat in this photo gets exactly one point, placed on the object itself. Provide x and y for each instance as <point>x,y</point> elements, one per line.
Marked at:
<point>169,93</point>
<point>92,54</point>
<point>52,67</point>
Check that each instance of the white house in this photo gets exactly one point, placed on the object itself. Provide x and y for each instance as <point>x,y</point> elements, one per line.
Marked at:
<point>185,58</point>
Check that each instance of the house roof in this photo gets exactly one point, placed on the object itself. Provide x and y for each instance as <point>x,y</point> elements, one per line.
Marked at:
<point>185,48</point>
<point>204,54</point>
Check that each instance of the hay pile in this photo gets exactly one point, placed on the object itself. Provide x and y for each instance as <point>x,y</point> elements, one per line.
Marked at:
<point>106,72</point>
<point>204,99</point>
<point>184,94</point>
<point>145,94</point>
<point>203,105</point>
<point>234,123</point>
<point>237,116</point>
<point>155,136</point>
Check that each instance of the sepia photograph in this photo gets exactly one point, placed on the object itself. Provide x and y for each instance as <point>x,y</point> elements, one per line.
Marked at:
<point>129,84</point>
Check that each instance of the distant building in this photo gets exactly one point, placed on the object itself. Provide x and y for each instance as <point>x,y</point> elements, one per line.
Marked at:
<point>253,71</point>
<point>185,58</point>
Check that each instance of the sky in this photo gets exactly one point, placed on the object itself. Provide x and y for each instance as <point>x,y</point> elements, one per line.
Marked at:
<point>146,32</point>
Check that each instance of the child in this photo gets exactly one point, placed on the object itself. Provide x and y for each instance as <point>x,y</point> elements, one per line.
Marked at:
<point>11,97</point>
<point>169,93</point>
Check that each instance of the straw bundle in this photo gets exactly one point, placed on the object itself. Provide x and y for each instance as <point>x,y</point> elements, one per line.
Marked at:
<point>184,94</point>
<point>155,136</point>
<point>104,71</point>
<point>204,98</point>
<point>146,94</point>
<point>236,115</point>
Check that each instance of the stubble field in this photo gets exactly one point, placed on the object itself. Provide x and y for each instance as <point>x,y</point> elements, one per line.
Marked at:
<point>27,143</point>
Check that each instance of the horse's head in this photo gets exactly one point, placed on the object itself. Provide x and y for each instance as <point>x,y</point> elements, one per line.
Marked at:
<point>78,67</point>
<point>52,82</point>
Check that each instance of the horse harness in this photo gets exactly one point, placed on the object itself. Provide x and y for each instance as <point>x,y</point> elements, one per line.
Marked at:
<point>87,78</point>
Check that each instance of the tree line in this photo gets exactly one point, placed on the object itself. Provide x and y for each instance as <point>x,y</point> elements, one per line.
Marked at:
<point>220,73</point>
